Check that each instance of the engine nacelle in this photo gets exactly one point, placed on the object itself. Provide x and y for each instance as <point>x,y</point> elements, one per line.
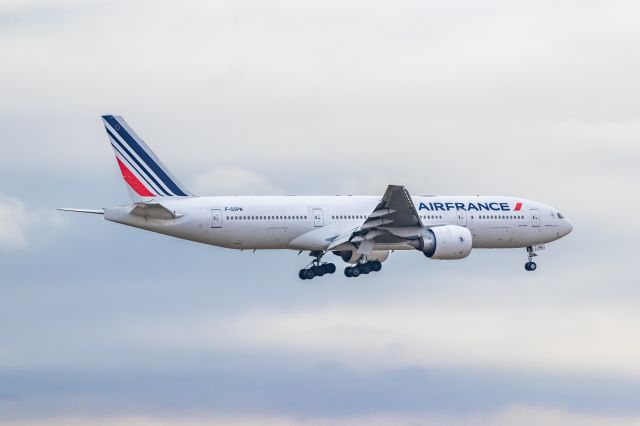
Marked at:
<point>444,242</point>
<point>379,255</point>
<point>350,256</point>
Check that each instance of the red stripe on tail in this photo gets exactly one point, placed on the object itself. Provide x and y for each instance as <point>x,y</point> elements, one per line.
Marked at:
<point>133,181</point>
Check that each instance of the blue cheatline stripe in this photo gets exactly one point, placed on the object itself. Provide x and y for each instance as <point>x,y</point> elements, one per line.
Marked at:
<point>140,167</point>
<point>144,156</point>
<point>124,157</point>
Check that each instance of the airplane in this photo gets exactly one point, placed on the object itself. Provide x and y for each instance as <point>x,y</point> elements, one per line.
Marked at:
<point>361,230</point>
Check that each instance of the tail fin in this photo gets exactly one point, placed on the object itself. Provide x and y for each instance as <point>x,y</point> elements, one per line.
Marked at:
<point>143,172</point>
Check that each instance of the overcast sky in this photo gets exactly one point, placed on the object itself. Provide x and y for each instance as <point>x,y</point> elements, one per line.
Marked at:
<point>114,326</point>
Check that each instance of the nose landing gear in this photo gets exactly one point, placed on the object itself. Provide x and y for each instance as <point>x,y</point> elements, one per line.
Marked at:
<point>530,265</point>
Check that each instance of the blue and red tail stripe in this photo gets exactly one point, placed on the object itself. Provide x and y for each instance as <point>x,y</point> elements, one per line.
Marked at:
<point>145,174</point>
<point>134,164</point>
<point>133,181</point>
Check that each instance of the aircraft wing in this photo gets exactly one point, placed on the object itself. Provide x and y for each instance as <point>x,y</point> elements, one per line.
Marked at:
<point>394,220</point>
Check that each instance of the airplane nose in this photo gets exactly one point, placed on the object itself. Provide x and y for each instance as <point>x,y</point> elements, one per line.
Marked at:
<point>567,227</point>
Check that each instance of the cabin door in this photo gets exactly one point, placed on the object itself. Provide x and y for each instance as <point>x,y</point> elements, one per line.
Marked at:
<point>318,218</point>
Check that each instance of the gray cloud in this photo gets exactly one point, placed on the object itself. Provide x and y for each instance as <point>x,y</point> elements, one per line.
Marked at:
<point>111,324</point>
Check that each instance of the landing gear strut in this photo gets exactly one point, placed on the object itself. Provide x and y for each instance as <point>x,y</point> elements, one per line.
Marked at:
<point>316,268</point>
<point>530,265</point>
<point>362,268</point>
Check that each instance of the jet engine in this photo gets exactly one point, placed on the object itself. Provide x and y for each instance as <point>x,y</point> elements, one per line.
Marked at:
<point>444,242</point>
<point>352,256</point>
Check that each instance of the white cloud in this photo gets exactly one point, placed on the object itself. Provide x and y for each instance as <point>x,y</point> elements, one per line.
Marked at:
<point>17,220</point>
<point>518,336</point>
<point>520,415</point>
<point>233,181</point>
<point>14,218</point>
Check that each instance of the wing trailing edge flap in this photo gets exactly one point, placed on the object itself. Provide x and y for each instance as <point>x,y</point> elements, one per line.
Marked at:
<point>395,215</point>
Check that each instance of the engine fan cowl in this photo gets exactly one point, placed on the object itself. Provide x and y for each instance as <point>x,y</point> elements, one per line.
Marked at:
<point>445,242</point>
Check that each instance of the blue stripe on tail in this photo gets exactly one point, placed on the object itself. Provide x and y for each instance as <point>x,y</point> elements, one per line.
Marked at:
<point>144,156</point>
<point>140,166</point>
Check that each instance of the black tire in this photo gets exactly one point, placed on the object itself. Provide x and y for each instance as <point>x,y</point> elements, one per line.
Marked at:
<point>302,274</point>
<point>331,268</point>
<point>319,270</point>
<point>355,272</point>
<point>532,266</point>
<point>309,273</point>
<point>348,272</point>
<point>376,266</point>
<point>365,268</point>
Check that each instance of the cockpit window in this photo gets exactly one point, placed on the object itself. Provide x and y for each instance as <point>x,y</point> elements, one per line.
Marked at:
<point>560,215</point>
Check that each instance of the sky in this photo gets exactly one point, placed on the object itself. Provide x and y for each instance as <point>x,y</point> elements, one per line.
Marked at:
<point>110,325</point>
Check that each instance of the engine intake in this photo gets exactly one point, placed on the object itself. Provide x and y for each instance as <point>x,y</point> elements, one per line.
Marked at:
<point>444,242</point>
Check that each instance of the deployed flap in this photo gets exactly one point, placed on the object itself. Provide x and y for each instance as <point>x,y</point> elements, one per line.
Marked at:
<point>394,220</point>
<point>341,239</point>
<point>395,209</point>
<point>154,211</point>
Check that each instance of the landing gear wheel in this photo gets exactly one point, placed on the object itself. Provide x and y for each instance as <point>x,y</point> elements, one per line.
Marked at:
<point>302,274</point>
<point>330,268</point>
<point>309,273</point>
<point>376,266</point>
<point>365,268</point>
<point>530,265</point>
<point>318,270</point>
<point>348,272</point>
<point>355,271</point>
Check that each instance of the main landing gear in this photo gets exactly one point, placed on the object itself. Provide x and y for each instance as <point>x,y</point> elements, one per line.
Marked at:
<point>317,268</point>
<point>530,265</point>
<point>362,268</point>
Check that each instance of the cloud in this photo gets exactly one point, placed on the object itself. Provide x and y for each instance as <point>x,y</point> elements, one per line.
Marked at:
<point>14,219</point>
<point>517,415</point>
<point>17,221</point>
<point>538,101</point>
<point>550,338</point>
<point>234,181</point>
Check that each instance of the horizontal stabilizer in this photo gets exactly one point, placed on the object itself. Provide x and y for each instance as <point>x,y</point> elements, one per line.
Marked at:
<point>82,210</point>
<point>154,211</point>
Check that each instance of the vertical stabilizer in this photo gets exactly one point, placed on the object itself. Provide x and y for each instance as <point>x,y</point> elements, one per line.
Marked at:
<point>143,172</point>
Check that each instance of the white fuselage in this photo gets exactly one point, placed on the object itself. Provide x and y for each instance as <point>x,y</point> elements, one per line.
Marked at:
<point>312,222</point>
